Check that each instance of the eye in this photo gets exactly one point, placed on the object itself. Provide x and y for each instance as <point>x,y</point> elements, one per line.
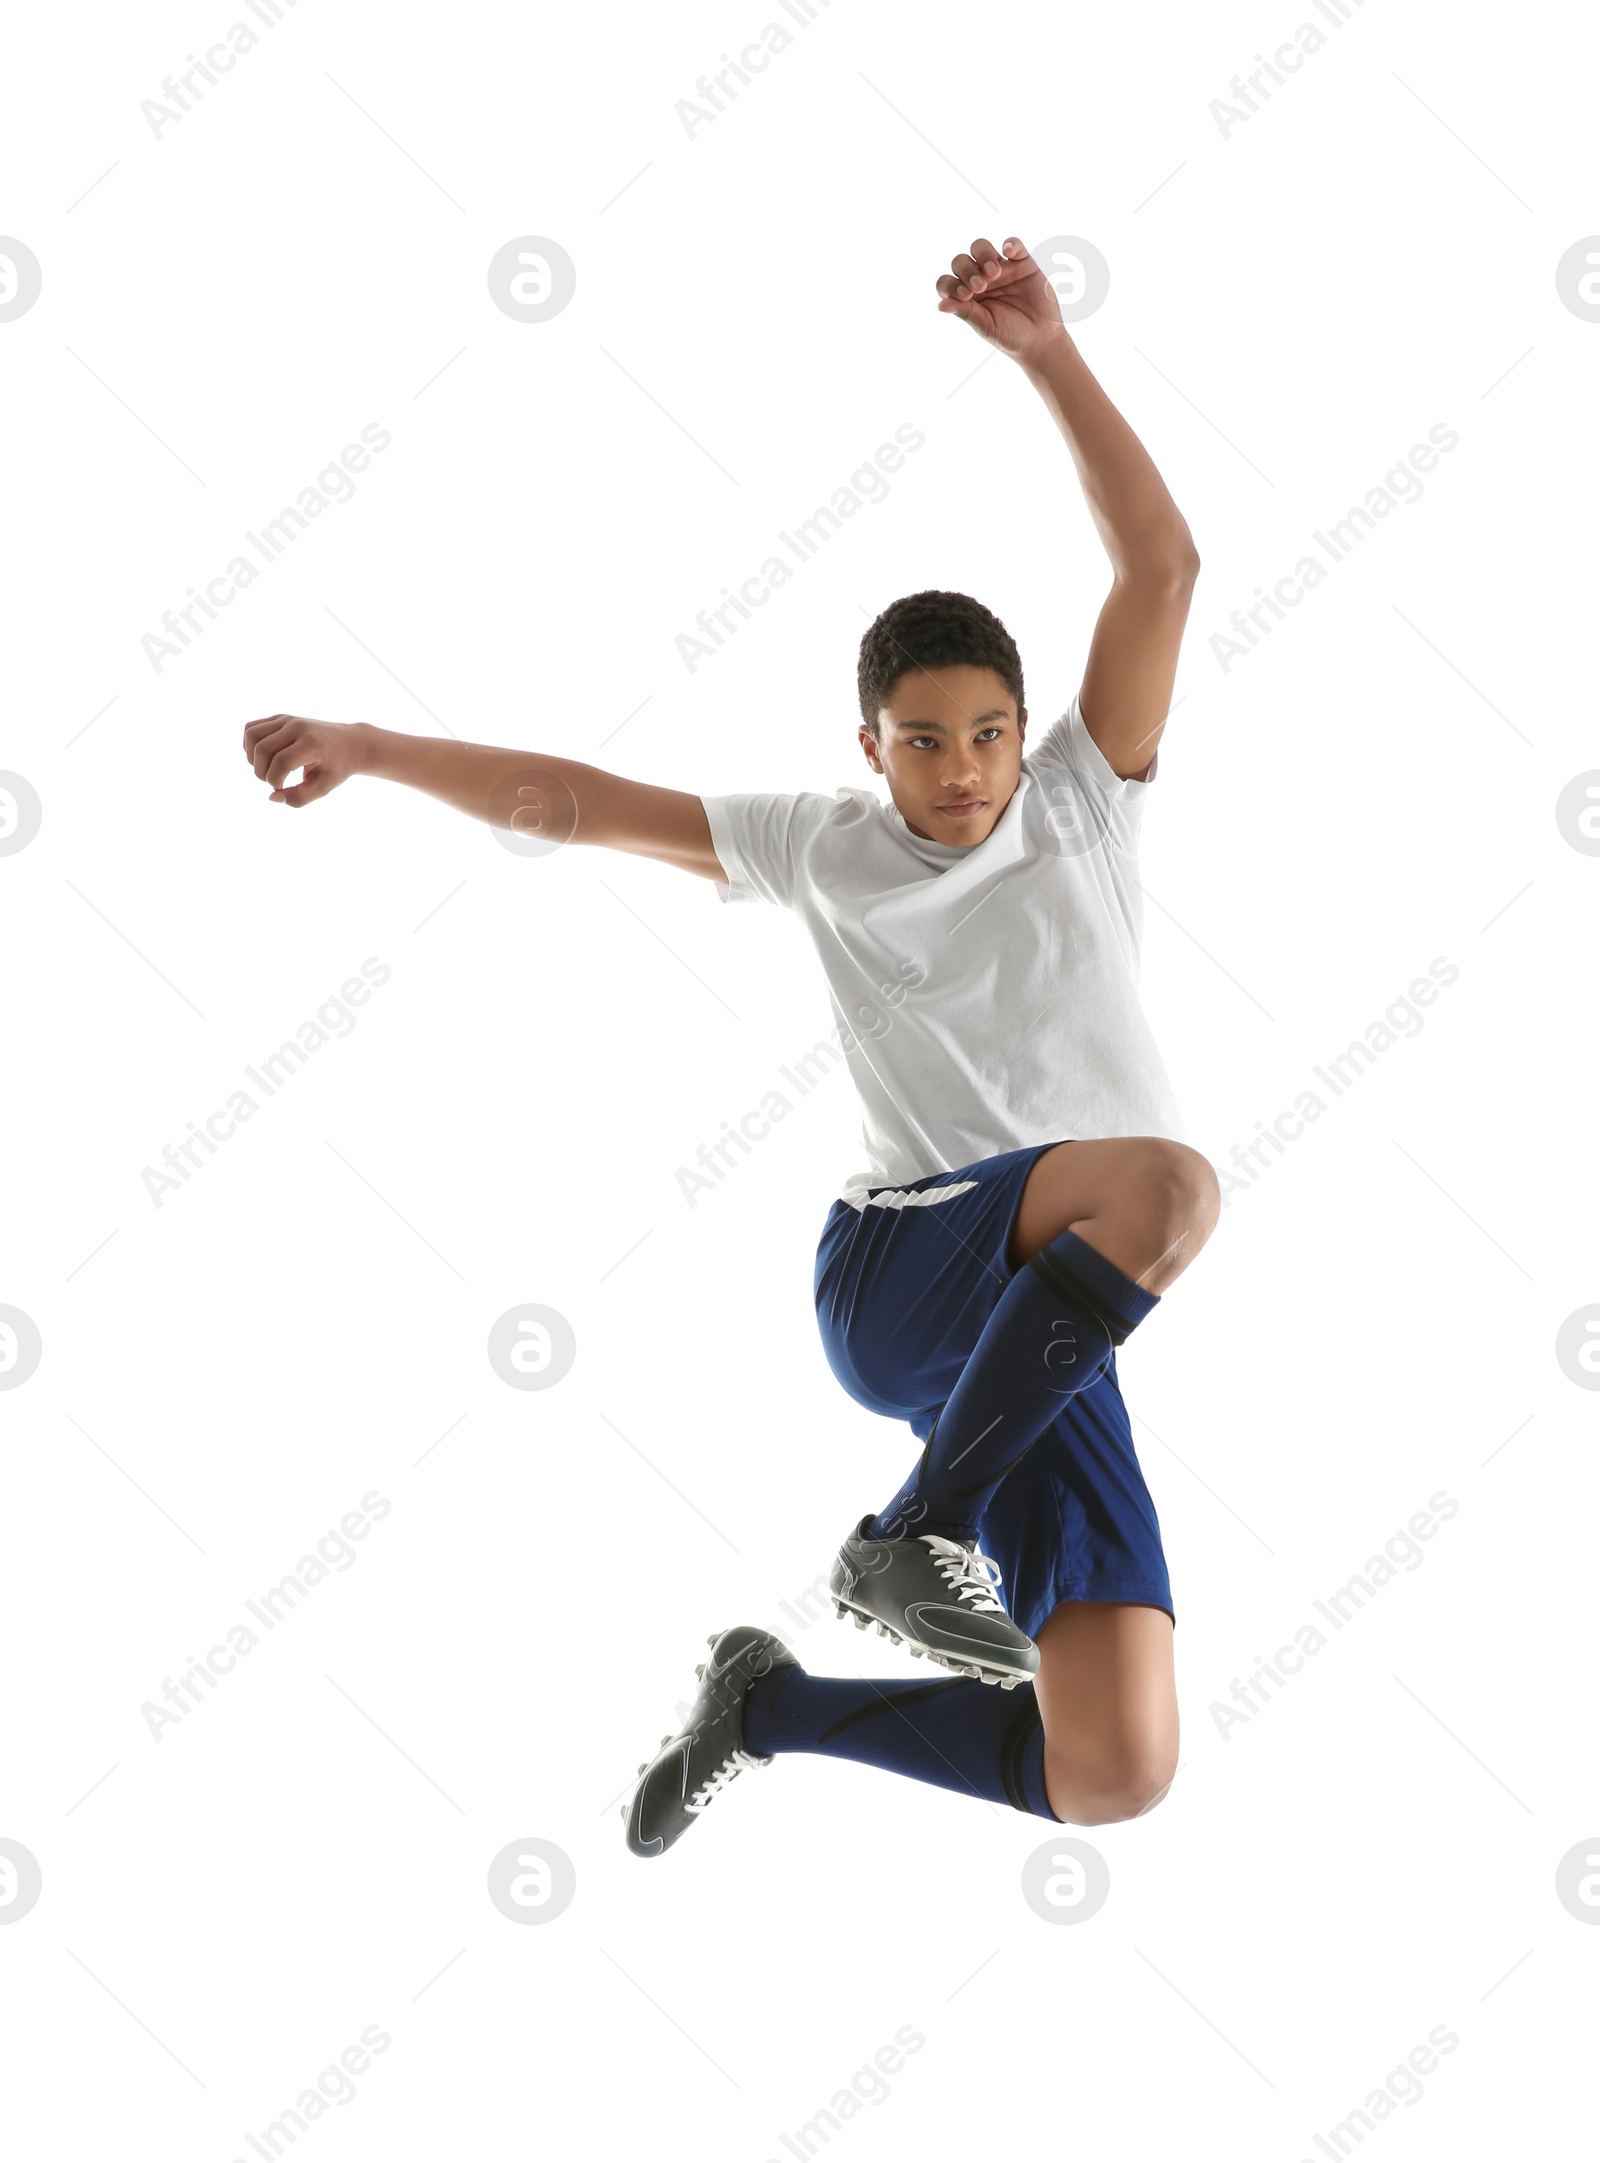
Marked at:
<point>990,733</point>
<point>917,741</point>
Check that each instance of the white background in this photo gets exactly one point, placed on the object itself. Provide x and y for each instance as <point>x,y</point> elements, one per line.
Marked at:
<point>224,1376</point>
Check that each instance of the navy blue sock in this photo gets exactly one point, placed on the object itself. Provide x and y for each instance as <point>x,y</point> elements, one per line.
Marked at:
<point>1052,1331</point>
<point>966,1736</point>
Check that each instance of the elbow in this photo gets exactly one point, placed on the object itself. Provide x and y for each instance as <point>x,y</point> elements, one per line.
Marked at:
<point>1180,565</point>
<point>1172,566</point>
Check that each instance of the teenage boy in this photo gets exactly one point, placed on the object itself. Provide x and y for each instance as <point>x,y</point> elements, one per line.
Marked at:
<point>1027,1198</point>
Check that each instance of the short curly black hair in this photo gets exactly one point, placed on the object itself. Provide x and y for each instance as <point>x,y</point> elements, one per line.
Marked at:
<point>932,630</point>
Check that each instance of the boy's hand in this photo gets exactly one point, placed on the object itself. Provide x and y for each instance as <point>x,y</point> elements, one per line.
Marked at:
<point>1005,296</point>
<point>329,751</point>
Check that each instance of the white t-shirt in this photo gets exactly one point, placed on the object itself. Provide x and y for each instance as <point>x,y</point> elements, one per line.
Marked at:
<point>986,998</point>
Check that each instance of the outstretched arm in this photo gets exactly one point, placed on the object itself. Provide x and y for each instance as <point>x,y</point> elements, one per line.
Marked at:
<point>551,799</point>
<point>1133,656</point>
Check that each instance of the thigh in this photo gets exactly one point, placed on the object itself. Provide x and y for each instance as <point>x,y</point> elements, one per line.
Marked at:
<point>1075,1524</point>
<point>1123,1194</point>
<point>906,1282</point>
<point>1108,1699</point>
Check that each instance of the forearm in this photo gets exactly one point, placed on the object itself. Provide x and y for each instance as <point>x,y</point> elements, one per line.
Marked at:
<point>469,777</point>
<point>1142,529</point>
<point>544,799</point>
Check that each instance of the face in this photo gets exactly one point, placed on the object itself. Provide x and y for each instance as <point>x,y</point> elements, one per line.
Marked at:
<point>951,751</point>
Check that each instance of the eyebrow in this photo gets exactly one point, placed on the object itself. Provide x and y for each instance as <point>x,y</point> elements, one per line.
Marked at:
<point>982,720</point>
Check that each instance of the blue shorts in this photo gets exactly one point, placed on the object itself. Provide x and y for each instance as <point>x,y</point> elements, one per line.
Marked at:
<point>904,1286</point>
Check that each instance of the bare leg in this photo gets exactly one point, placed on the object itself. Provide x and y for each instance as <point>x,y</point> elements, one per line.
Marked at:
<point>1109,1704</point>
<point>1147,1205</point>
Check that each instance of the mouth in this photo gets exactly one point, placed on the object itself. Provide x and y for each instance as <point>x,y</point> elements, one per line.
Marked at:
<point>964,807</point>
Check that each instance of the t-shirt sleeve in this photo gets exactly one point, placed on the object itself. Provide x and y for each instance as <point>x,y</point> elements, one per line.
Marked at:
<point>1069,760</point>
<point>760,843</point>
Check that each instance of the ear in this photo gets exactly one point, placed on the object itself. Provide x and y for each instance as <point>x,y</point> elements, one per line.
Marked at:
<point>864,736</point>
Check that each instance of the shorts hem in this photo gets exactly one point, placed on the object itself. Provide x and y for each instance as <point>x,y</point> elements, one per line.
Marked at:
<point>1102,1592</point>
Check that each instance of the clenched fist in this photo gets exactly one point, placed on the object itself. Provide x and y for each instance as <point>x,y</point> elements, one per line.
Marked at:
<point>1005,296</point>
<point>329,752</point>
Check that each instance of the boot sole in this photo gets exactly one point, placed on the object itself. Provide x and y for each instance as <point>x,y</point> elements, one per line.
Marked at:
<point>975,1670</point>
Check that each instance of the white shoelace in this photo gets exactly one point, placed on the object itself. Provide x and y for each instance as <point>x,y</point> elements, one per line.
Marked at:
<point>730,1768</point>
<point>971,1577</point>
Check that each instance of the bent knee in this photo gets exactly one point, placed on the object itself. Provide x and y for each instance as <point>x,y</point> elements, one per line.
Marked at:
<point>1180,1193</point>
<point>1102,1791</point>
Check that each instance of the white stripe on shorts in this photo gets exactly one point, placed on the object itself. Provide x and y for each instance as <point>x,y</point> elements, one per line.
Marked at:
<point>908,1198</point>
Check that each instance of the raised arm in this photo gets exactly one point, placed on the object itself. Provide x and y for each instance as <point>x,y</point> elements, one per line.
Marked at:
<point>523,791</point>
<point>1133,656</point>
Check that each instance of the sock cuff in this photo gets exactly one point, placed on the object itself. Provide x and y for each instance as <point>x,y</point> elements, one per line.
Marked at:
<point>1022,1760</point>
<point>761,1716</point>
<point>1076,1271</point>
